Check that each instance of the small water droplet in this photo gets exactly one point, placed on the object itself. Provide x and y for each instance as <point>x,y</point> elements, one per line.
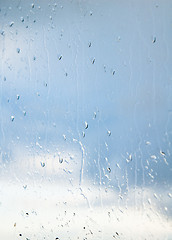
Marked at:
<point>153,157</point>
<point>24,113</point>
<point>148,143</point>
<point>89,44</point>
<point>25,186</point>
<point>11,24</point>
<point>162,153</point>
<point>109,169</point>
<point>5,79</point>
<point>12,118</point>
<point>118,165</point>
<point>95,114</point>
<point>60,58</point>
<point>3,33</point>
<point>108,133</point>
<point>42,164</point>
<point>64,137</point>
<point>154,40</point>
<point>83,134</point>
<point>60,160</point>
<point>170,195</point>
<point>22,19</point>
<point>32,5</point>
<point>129,159</point>
<point>86,125</point>
<point>113,72</point>
<point>93,60</point>
<point>155,195</point>
<point>91,13</point>
<point>18,97</point>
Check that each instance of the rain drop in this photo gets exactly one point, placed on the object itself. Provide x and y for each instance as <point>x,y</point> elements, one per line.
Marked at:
<point>108,133</point>
<point>113,72</point>
<point>162,153</point>
<point>60,58</point>
<point>60,160</point>
<point>22,19</point>
<point>18,97</point>
<point>86,125</point>
<point>12,118</point>
<point>154,40</point>
<point>42,164</point>
<point>11,24</point>
<point>93,60</point>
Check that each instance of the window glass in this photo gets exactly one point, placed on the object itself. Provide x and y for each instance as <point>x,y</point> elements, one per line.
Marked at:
<point>85,119</point>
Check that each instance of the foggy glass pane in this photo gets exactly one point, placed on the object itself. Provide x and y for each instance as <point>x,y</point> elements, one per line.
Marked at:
<point>86,119</point>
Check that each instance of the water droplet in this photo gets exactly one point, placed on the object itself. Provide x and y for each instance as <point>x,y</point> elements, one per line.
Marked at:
<point>148,143</point>
<point>60,160</point>
<point>42,164</point>
<point>149,201</point>
<point>155,195</point>
<point>113,72</point>
<point>64,137</point>
<point>91,13</point>
<point>11,24</point>
<point>118,165</point>
<point>109,169</point>
<point>83,134</point>
<point>108,133</point>
<point>129,159</point>
<point>22,19</point>
<point>170,195</point>
<point>165,160</point>
<point>60,58</point>
<point>34,58</point>
<point>3,33</point>
<point>5,79</point>
<point>154,40</point>
<point>32,5</point>
<point>86,125</point>
<point>162,153</point>
<point>12,118</point>
<point>25,186</point>
<point>18,97</point>
<point>93,60</point>
<point>95,114</point>
<point>89,44</point>
<point>24,113</point>
<point>153,157</point>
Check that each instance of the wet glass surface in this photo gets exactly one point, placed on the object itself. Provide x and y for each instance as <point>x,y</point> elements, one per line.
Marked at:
<point>85,119</point>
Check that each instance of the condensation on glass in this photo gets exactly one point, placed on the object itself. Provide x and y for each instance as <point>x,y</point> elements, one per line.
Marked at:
<point>85,119</point>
